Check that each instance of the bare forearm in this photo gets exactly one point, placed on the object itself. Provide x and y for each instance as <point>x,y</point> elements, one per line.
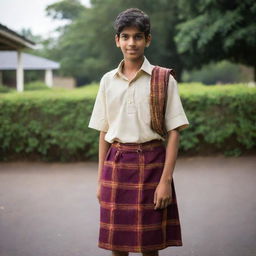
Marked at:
<point>171,155</point>
<point>103,148</point>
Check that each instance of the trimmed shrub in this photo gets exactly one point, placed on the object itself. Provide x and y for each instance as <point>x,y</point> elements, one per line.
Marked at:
<point>5,89</point>
<point>48,125</point>
<point>222,118</point>
<point>37,85</point>
<point>53,125</point>
<point>220,72</point>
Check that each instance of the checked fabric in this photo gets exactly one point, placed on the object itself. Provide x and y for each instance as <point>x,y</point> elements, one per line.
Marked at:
<point>128,221</point>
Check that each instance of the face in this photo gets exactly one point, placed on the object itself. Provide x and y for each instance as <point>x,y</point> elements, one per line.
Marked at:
<point>132,43</point>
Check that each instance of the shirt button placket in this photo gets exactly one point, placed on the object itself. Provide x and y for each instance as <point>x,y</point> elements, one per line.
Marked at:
<point>130,99</point>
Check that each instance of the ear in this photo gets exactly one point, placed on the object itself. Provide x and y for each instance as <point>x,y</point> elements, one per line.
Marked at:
<point>148,40</point>
<point>117,41</point>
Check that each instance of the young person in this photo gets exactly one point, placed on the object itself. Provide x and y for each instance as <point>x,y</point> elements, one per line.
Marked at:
<point>138,207</point>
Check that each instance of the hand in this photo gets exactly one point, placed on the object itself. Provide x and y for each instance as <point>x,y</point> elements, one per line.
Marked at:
<point>162,195</point>
<point>98,192</point>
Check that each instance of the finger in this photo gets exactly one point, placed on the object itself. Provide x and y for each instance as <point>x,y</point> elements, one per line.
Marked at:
<point>168,202</point>
<point>158,204</point>
<point>165,203</point>
<point>155,198</point>
<point>162,204</point>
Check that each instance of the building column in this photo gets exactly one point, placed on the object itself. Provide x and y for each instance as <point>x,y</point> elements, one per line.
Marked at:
<point>19,73</point>
<point>48,77</point>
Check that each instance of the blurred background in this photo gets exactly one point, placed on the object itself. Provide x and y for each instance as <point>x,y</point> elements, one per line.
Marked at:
<point>205,41</point>
<point>52,57</point>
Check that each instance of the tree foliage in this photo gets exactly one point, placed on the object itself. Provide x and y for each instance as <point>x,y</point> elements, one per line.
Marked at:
<point>86,48</point>
<point>215,30</point>
<point>66,9</point>
<point>186,34</point>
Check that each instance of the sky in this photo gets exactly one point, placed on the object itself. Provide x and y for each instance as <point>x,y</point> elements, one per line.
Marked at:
<point>18,14</point>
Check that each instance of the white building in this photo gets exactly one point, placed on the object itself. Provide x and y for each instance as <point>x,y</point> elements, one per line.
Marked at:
<point>12,58</point>
<point>9,61</point>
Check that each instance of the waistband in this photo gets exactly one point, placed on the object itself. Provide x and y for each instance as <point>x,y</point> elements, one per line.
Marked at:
<point>148,145</point>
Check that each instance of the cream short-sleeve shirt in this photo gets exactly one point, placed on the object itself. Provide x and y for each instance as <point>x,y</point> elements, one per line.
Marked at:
<point>122,108</point>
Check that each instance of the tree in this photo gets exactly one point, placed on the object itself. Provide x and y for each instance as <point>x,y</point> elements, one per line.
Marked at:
<point>65,9</point>
<point>215,30</point>
<point>27,32</point>
<point>86,47</point>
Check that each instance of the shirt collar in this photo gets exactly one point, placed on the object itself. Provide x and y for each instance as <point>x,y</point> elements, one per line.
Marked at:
<point>146,67</point>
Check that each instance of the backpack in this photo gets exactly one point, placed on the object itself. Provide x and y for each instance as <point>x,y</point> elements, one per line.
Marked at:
<point>158,98</point>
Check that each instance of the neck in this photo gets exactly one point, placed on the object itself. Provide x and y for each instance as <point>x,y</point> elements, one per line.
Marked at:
<point>132,66</point>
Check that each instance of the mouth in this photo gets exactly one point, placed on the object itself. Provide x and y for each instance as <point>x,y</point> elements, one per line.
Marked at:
<point>131,51</point>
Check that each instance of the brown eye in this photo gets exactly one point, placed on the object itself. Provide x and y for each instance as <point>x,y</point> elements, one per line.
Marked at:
<point>138,37</point>
<point>124,36</point>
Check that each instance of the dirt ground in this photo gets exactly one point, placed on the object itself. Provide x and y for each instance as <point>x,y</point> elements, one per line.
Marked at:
<point>50,209</point>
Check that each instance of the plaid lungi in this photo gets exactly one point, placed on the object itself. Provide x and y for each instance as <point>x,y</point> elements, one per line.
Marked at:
<point>128,221</point>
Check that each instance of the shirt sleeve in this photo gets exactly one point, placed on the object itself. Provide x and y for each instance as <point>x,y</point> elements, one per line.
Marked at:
<point>98,120</point>
<point>175,117</point>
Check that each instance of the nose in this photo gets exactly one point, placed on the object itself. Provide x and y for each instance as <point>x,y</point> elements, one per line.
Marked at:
<point>131,41</point>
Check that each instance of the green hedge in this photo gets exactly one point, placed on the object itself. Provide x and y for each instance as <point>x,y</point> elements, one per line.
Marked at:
<point>36,85</point>
<point>5,89</point>
<point>48,125</point>
<point>222,118</point>
<point>52,125</point>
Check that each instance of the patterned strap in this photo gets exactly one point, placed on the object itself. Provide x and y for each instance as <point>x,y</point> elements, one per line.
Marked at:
<point>158,98</point>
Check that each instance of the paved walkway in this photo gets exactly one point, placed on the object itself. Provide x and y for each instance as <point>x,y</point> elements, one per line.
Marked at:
<point>51,209</point>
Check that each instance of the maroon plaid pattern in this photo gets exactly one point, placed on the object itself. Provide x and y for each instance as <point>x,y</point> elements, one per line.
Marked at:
<point>158,97</point>
<point>128,221</point>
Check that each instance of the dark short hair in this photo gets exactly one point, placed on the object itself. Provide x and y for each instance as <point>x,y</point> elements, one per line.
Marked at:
<point>132,17</point>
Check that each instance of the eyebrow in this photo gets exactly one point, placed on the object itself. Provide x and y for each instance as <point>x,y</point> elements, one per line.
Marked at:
<point>139,33</point>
